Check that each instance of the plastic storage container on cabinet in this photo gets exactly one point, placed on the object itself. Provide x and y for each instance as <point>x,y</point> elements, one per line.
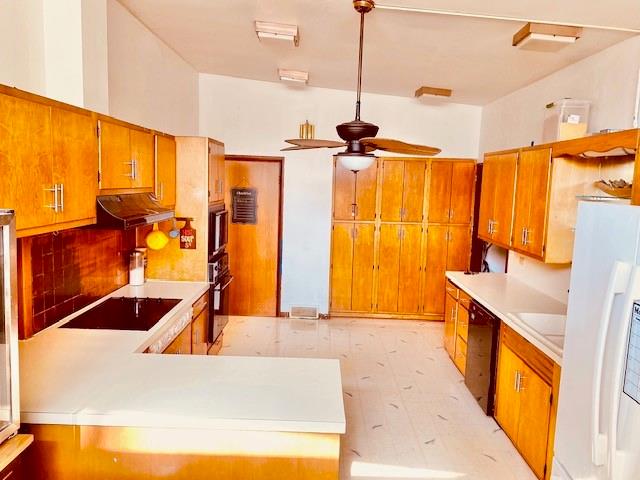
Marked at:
<point>566,119</point>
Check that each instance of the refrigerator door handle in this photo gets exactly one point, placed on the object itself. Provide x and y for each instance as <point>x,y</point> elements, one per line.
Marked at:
<point>618,281</point>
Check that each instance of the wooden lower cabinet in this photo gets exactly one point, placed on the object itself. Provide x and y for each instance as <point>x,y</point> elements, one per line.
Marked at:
<point>450,310</point>
<point>199,343</point>
<point>181,345</point>
<point>525,399</point>
<point>456,325</point>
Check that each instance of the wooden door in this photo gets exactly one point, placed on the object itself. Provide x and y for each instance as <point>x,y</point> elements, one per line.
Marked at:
<point>75,160</point>
<point>199,339</point>
<point>463,178</point>
<point>440,192</point>
<point>503,200</point>
<point>413,191</point>
<point>341,266</point>
<point>254,254</point>
<point>363,261</point>
<point>366,185</point>
<point>388,267</point>
<point>540,165</point>
<point>410,269</point>
<point>487,196</point>
<point>458,247</point>
<point>166,170</point>
<point>450,307</point>
<point>116,170</point>
<point>507,397</point>
<point>181,345</point>
<point>533,424</point>
<point>26,162</point>
<point>392,183</point>
<point>142,151</point>
<point>436,265</point>
<point>344,192</point>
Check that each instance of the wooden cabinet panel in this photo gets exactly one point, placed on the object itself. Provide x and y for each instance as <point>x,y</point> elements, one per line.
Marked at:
<point>142,151</point>
<point>341,266</point>
<point>507,398</point>
<point>413,191</point>
<point>389,267</point>
<point>392,191</point>
<point>458,247</point>
<point>199,333</point>
<point>503,198</point>
<point>460,357</point>
<point>366,182</point>
<point>344,193</point>
<point>362,286</point>
<point>75,159</point>
<point>450,309</point>
<point>181,345</point>
<point>462,326</point>
<point>533,424</point>
<point>216,172</point>
<point>116,169</point>
<point>487,197</point>
<point>440,192</point>
<point>409,271</point>
<point>436,265</point>
<point>166,170</point>
<point>522,200</point>
<point>26,161</point>
<point>463,179</point>
<point>540,161</point>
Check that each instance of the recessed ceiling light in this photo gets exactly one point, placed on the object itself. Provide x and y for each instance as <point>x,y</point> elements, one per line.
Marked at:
<point>543,37</point>
<point>433,91</point>
<point>278,31</point>
<point>293,76</point>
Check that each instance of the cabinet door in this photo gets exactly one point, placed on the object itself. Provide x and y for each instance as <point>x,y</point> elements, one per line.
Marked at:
<point>344,193</point>
<point>199,333</point>
<point>463,178</point>
<point>213,171</point>
<point>365,193</point>
<point>181,345</point>
<point>460,358</point>
<point>166,170</point>
<point>221,177</point>
<point>409,272</point>
<point>341,266</point>
<point>75,160</point>
<point>450,307</point>
<point>540,165</point>
<point>507,397</point>
<point>436,265</point>
<point>487,196</point>
<point>533,425</point>
<point>26,162</point>
<point>392,183</point>
<point>462,322</point>
<point>458,247</point>
<point>503,200</point>
<point>413,191</point>
<point>522,202</point>
<point>362,285</point>
<point>440,192</point>
<point>389,267</point>
<point>142,152</point>
<point>116,168</point>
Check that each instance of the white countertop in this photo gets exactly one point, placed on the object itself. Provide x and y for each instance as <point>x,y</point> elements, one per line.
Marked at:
<point>99,377</point>
<point>505,297</point>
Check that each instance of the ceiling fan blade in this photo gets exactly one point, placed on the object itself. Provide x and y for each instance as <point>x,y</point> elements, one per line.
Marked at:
<point>315,143</point>
<point>295,147</point>
<point>396,146</point>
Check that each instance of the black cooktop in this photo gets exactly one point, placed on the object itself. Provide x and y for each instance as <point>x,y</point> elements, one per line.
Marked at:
<point>124,313</point>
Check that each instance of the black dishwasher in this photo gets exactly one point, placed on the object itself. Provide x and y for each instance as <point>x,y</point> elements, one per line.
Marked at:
<point>482,353</point>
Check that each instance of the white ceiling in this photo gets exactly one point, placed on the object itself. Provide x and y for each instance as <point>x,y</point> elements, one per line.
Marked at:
<point>403,51</point>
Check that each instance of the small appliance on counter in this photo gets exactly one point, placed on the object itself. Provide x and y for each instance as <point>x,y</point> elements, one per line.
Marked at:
<point>136,268</point>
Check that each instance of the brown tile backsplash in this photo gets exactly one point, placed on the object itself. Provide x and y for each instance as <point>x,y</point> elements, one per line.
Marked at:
<point>72,268</point>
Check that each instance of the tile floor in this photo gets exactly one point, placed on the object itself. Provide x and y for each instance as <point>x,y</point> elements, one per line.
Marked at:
<point>409,414</point>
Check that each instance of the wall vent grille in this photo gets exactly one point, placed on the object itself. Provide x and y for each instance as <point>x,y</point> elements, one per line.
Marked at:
<point>304,312</point>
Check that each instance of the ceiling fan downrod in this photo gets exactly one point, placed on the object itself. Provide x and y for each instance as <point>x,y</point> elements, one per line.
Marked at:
<point>362,7</point>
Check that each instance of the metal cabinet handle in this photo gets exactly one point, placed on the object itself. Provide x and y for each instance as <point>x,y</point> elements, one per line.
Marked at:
<point>55,206</point>
<point>526,236</point>
<point>521,378</point>
<point>516,380</point>
<point>353,209</point>
<point>61,190</point>
<point>494,224</point>
<point>451,214</point>
<point>135,169</point>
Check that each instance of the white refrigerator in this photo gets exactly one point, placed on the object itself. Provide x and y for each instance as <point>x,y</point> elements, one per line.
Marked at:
<point>598,424</point>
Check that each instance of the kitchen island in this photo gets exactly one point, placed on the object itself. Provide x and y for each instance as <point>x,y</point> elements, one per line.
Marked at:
<point>101,408</point>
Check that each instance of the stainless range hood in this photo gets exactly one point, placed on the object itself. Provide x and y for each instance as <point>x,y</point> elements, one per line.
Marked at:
<point>130,211</point>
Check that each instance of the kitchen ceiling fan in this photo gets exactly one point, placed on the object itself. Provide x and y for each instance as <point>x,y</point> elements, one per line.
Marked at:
<point>358,136</point>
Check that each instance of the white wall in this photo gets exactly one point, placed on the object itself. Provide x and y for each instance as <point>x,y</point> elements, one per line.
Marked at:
<point>254,117</point>
<point>609,80</point>
<point>149,83</point>
<point>95,55</point>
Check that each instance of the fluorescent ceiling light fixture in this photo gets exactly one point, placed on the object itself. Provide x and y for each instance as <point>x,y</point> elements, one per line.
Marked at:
<point>544,37</point>
<point>293,76</point>
<point>278,31</point>
<point>433,91</point>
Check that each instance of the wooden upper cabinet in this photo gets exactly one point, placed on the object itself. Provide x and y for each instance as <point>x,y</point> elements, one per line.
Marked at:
<point>142,152</point>
<point>116,166</point>
<point>165,188</point>
<point>216,171</point>
<point>440,192</point>
<point>392,191</point>
<point>75,159</point>
<point>413,190</point>
<point>354,195</point>
<point>463,178</point>
<point>341,266</point>
<point>365,193</point>
<point>458,247</point>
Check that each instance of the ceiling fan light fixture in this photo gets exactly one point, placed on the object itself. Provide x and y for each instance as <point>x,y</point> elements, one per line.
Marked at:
<point>545,37</point>
<point>356,161</point>
<point>293,76</point>
<point>278,31</point>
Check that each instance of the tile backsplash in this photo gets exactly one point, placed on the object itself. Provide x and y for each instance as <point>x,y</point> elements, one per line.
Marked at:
<point>72,268</point>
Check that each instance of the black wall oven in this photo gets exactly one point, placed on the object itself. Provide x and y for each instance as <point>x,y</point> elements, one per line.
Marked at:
<point>220,279</point>
<point>218,233</point>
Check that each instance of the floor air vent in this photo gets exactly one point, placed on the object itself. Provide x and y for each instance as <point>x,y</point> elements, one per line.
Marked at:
<point>304,312</point>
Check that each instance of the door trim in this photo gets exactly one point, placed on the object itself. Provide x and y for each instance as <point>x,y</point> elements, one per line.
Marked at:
<point>280,160</point>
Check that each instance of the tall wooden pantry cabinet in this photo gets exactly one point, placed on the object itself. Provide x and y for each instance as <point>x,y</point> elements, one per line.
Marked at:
<point>397,227</point>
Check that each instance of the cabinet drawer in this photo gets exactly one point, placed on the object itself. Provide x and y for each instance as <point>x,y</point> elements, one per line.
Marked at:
<point>217,345</point>
<point>452,289</point>
<point>200,304</point>
<point>465,299</point>
<point>461,355</point>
